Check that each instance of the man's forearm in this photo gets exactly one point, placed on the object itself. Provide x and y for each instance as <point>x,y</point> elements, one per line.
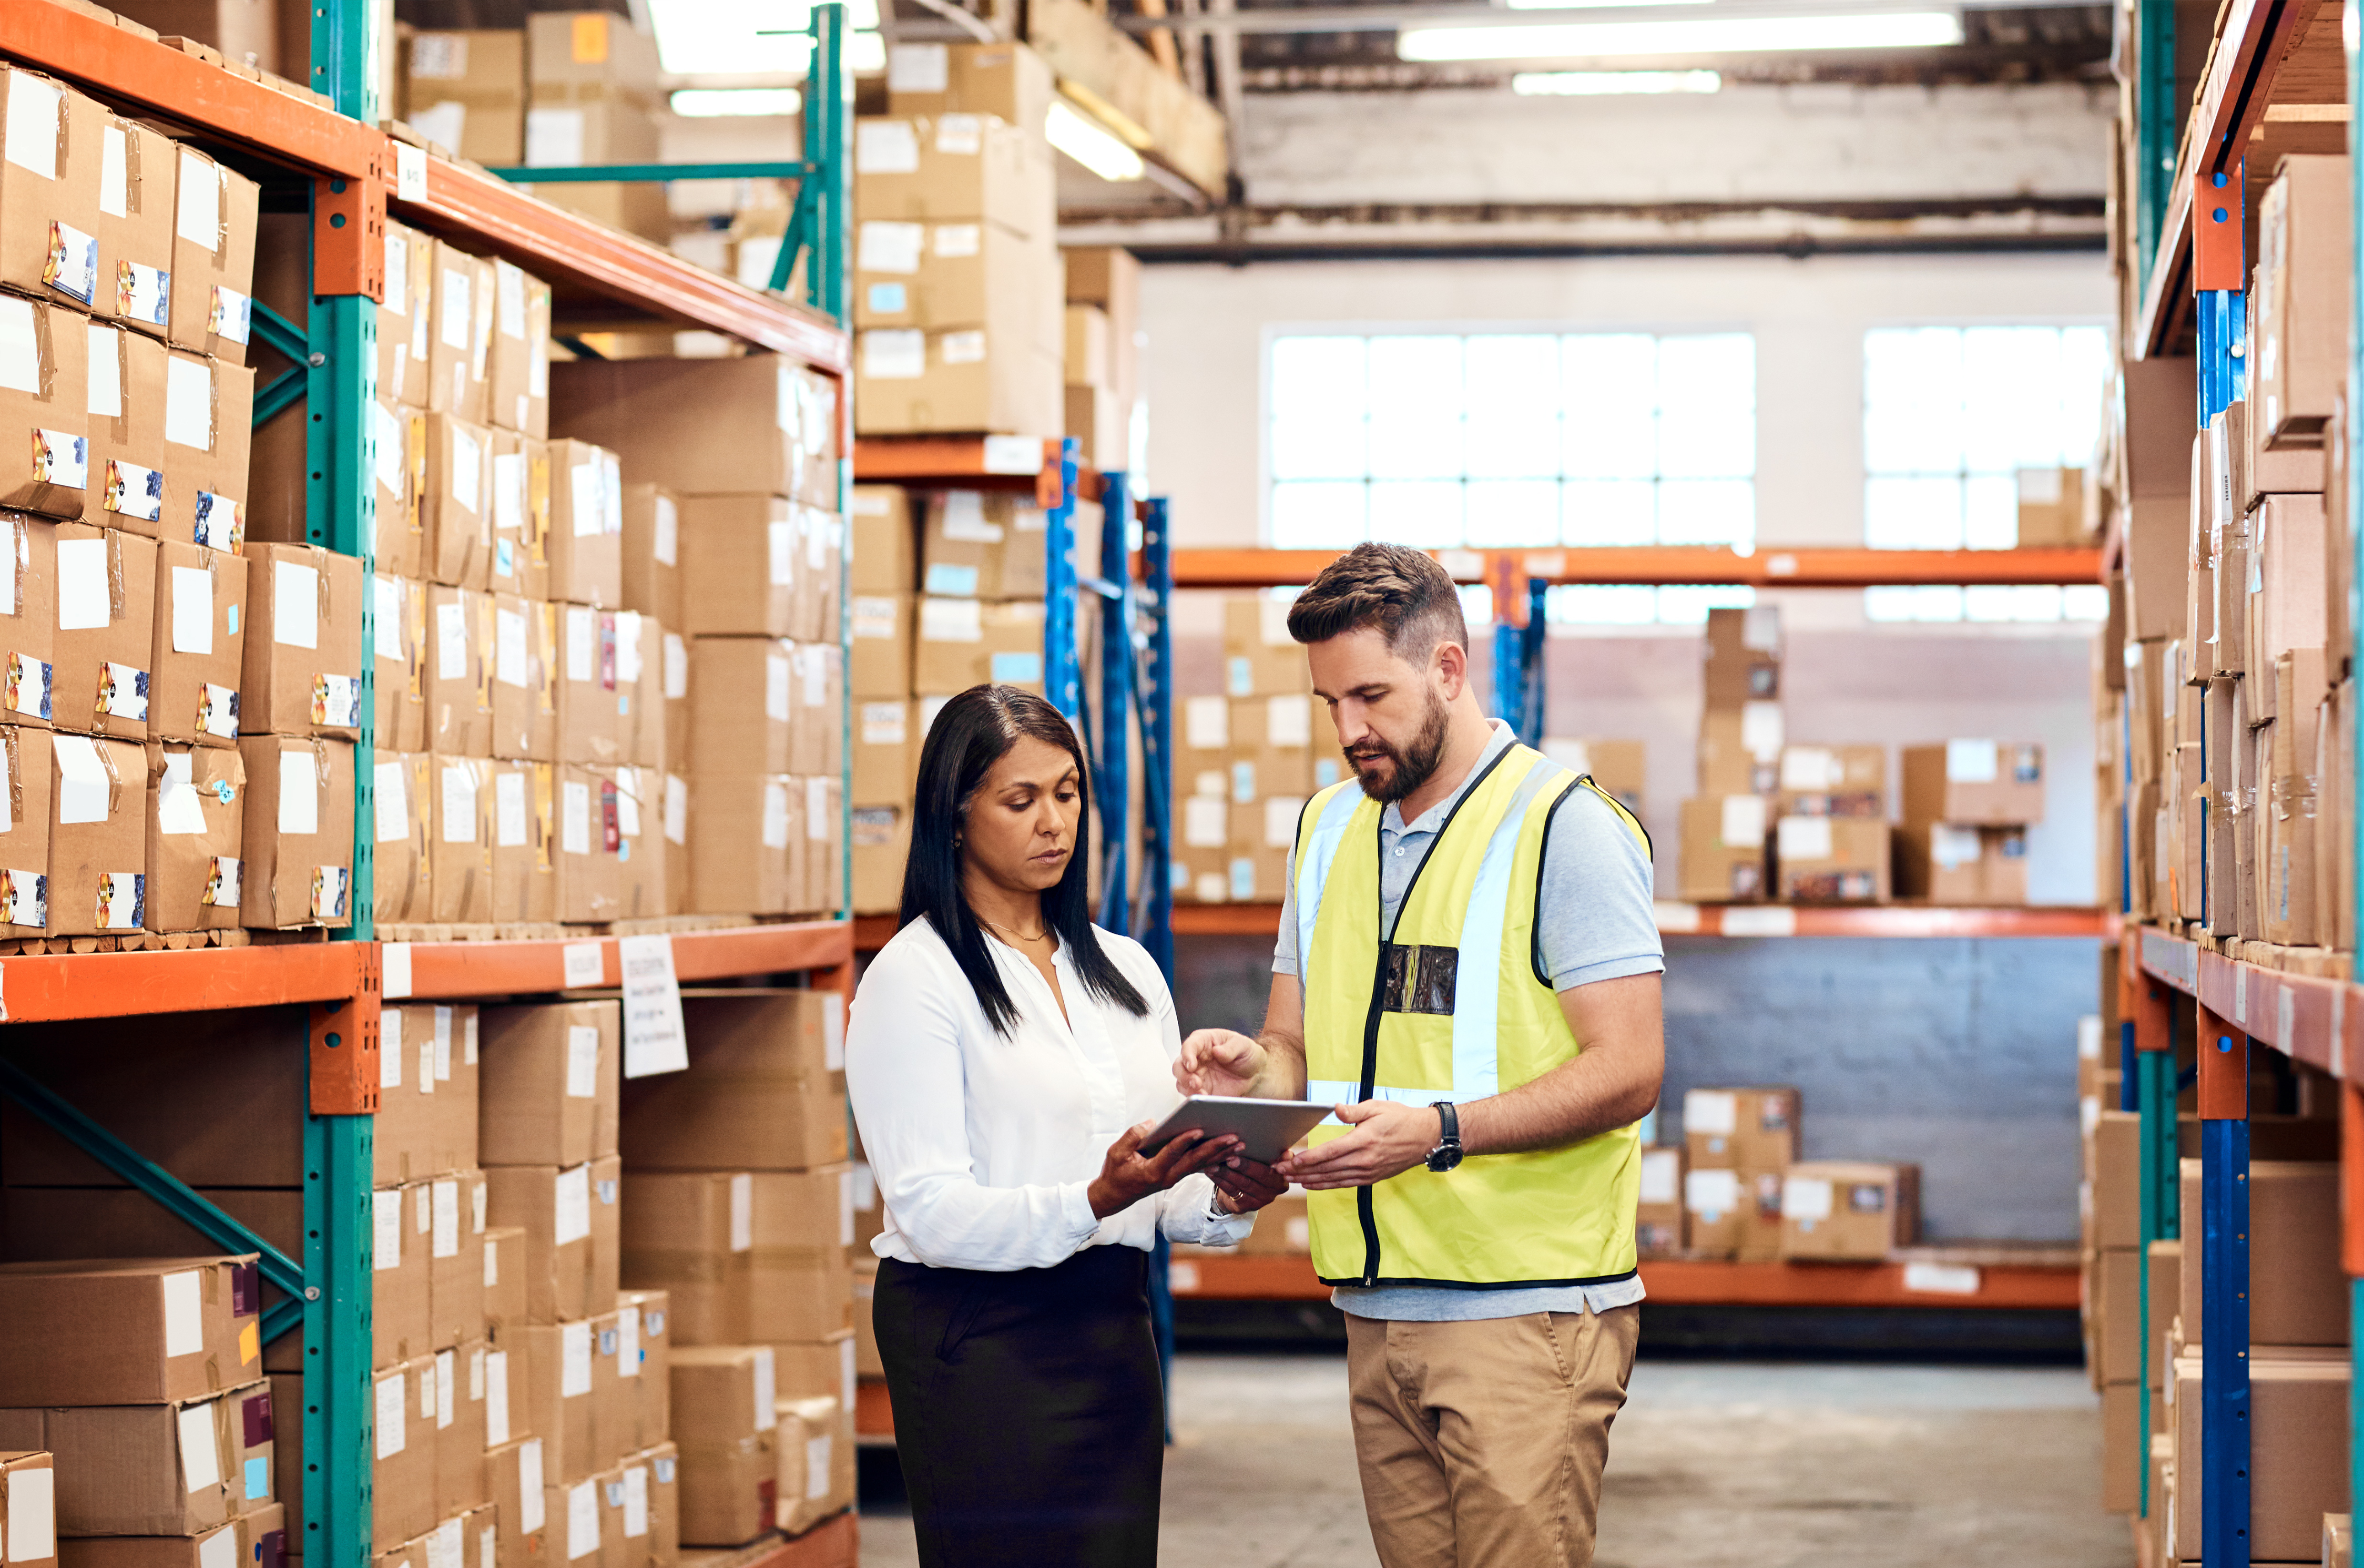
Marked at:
<point>1572,1102</point>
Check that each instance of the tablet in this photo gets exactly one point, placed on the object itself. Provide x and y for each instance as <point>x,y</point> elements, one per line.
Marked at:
<point>1267,1128</point>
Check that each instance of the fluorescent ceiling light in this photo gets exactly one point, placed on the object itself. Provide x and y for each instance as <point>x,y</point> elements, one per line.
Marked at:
<point>1091,144</point>
<point>1602,84</point>
<point>706,103</point>
<point>731,38</point>
<point>1733,35</point>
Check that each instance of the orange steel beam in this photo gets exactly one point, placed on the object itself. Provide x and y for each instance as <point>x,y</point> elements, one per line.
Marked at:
<point>957,460</point>
<point>124,985</point>
<point>444,970</point>
<point>218,104</point>
<point>1676,564</point>
<point>2351,1179</point>
<point>1688,1282</point>
<point>2223,1068</point>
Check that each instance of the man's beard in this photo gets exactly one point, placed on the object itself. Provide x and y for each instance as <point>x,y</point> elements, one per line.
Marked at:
<point>1415,763</point>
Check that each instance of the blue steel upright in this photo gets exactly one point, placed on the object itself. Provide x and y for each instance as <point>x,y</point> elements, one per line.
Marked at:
<point>1113,788</point>
<point>1063,673</point>
<point>1157,735</point>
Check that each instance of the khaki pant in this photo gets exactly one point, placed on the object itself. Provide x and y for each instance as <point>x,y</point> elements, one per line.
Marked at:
<point>1482,1443</point>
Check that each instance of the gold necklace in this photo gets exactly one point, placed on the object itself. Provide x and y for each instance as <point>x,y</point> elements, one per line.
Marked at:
<point>1039,936</point>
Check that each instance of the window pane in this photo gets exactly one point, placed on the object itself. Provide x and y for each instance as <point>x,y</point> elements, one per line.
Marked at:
<point>1413,443</point>
<point>1609,512</point>
<point>1987,602</point>
<point>1707,511</point>
<point>1991,512</point>
<point>1716,371</point>
<point>1610,443</point>
<point>1513,512</point>
<point>1604,372</point>
<point>1317,375</point>
<point>1425,514</point>
<point>2084,601</point>
<point>1913,514</point>
<point>1688,605</point>
<point>1507,376</point>
<point>1887,604</point>
<point>1422,374</point>
<point>1707,442</point>
<point>1515,444</point>
<point>1312,447</point>
<point>1587,604</point>
<point>1318,516</point>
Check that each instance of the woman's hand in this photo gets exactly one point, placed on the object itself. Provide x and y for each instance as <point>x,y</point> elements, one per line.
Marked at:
<point>1243,1185</point>
<point>1128,1175</point>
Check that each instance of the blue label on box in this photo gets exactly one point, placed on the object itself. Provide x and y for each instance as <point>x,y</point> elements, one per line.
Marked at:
<point>888,299</point>
<point>951,582</point>
<point>1017,669</point>
<point>258,1479</point>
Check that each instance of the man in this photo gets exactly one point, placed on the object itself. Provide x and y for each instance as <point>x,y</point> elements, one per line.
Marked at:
<point>1469,966</point>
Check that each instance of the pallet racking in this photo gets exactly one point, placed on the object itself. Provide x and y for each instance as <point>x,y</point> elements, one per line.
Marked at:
<point>329,141</point>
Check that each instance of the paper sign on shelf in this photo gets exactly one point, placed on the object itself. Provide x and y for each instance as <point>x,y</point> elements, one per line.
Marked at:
<point>655,1039</point>
<point>584,966</point>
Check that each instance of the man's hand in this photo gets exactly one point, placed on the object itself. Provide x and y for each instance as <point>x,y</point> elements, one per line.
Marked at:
<point>1389,1138</point>
<point>1246,1184</point>
<point>1218,1062</point>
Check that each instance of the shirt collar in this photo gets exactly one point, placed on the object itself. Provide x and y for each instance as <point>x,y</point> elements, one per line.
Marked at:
<point>1433,820</point>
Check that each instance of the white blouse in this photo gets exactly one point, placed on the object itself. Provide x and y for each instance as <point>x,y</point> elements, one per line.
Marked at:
<point>985,1146</point>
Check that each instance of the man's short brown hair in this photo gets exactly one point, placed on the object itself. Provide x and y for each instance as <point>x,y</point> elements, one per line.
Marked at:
<point>1401,592</point>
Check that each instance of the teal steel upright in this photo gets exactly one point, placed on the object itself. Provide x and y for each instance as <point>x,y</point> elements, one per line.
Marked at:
<point>1157,735</point>
<point>1062,670</point>
<point>2158,120</point>
<point>1112,785</point>
<point>2352,1107</point>
<point>339,505</point>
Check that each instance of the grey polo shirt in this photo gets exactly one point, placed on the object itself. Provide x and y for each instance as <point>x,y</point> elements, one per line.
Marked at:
<point>1595,922</point>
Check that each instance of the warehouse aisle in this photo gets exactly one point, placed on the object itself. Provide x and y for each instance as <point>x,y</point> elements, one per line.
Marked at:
<point>1717,1465</point>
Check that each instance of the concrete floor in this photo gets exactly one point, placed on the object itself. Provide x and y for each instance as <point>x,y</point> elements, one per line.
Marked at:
<point>1713,1463</point>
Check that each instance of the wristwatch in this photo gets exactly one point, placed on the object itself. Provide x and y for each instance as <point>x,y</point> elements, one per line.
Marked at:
<point>1447,1153</point>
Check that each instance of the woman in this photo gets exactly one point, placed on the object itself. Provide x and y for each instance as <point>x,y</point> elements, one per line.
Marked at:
<point>1001,1056</point>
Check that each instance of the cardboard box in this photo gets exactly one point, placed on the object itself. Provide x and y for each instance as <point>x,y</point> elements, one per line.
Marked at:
<point>511,566</point>
<point>98,837</point>
<point>739,840</point>
<point>758,425</point>
<point>1831,859</point>
<point>967,379</point>
<point>1743,650</point>
<point>461,812</point>
<point>1658,1215</point>
<point>1111,278</point>
<point>741,565</point>
<point>964,643</point>
<point>401,1283</point>
<point>1714,1204</point>
<point>136,1331</point>
<point>2051,507</point>
<point>724,1420</point>
<point>649,1397</point>
<point>29,1508</point>
<point>516,371</point>
<point>466,91</point>
<point>967,273</point>
<point>506,1299</point>
<point>549,1083</point>
<point>525,679</point>
<point>50,197</point>
<point>1848,1210</point>
<point>691,1235</point>
<point>588,713</point>
<point>1974,782</point>
<point>815,1446</point>
<point>401,869</point>
<point>2286,601</point>
<point>26,755</point>
<point>2299,299</point>
<point>742,704</point>
<point>406,317</point>
<point>1102,425</point>
<point>28,620</point>
<point>1745,1130</point>
<point>462,344</point>
<point>675,684</point>
<point>884,558</point>
<point>882,841</point>
<point>803,1223</point>
<point>1739,750</point>
<point>2298,1452</point>
<point>885,750</point>
<point>1723,849</point>
<point>650,570</point>
<point>106,631</point>
<point>1008,81</point>
<point>815,711</point>
<point>525,842</point>
<point>462,626</point>
<point>125,1469</point>
<point>135,234</point>
<point>44,400</point>
<point>765,1089</point>
<point>643,884</point>
<point>127,459</point>
<point>197,659</point>
<point>520,1508</point>
<point>569,1219</point>
<point>460,1483</point>
<point>2293,1255</point>
<point>196,831</point>
<point>935,167</point>
<point>587,840</point>
<point>428,1092</point>
<point>299,832</point>
<point>456,506</point>
<point>402,1486</point>
<point>587,524</point>
<point>399,478</point>
<point>302,653</point>
<point>213,259</point>
<point>640,727</point>
<point>1834,781</point>
<point>2158,558</point>
<point>1946,863</point>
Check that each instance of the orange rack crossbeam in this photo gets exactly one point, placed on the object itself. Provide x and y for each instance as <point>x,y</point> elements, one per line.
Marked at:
<point>1651,564</point>
<point>123,984</point>
<point>447,970</point>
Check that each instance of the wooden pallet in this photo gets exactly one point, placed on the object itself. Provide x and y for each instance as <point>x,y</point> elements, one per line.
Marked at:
<point>835,1543</point>
<point>131,941</point>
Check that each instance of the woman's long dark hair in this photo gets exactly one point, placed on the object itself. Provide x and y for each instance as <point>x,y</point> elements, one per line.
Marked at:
<point>975,730</point>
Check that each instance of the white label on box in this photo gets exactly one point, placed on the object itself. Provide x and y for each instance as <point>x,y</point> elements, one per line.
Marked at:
<point>918,68</point>
<point>817,1467</point>
<point>776,814</point>
<point>385,1229</point>
<point>767,1396</point>
<point>636,1500</point>
<point>1760,730</point>
<point>676,809</point>
<point>889,247</point>
<point>880,147</point>
<point>959,136</point>
<point>962,348</point>
<point>397,279</point>
<point>581,1518</point>
<point>582,1062</point>
<point>123,690</point>
<point>1205,822</point>
<point>443,122</point>
<point>467,470</point>
<point>31,1502</point>
<point>1280,816</point>
<point>390,798</point>
<point>456,316</point>
<point>219,715</point>
<point>1972,762</point>
<point>780,542</point>
<point>389,1043</point>
<point>884,724</point>
<point>958,241</point>
<point>439,57</point>
<point>582,636</point>
<point>509,647</point>
<point>1206,723</point>
<point>1712,1113</point>
<point>200,1453</point>
<point>874,617</point>
<point>776,687</point>
<point>35,107</point>
<point>178,810</point>
<point>573,1219</point>
<point>1805,1198</point>
<point>583,498</point>
<point>814,657</point>
<point>583,964</point>
<point>629,624</point>
<point>189,402</point>
<point>1661,1176</point>
<point>497,1375</point>
<point>1743,824</point>
<point>819,818</point>
<point>447,1392</point>
<point>1945,1279</point>
<point>1803,838</point>
<point>295,604</point>
<point>115,172</point>
<point>627,1341</point>
<point>185,1313</point>
<point>962,517</point>
<point>392,1410</point>
<point>530,1509</point>
<point>452,641</point>
<point>508,492</point>
<point>387,622</point>
<point>676,667</point>
<point>508,288</point>
<point>950,578</point>
<point>1760,629</point>
<point>20,348</point>
<point>468,1056</point>
<point>1712,1192</point>
<point>105,373</point>
<point>1953,848</point>
<point>459,803</point>
<point>84,603</point>
<point>1288,721</point>
<point>84,788</point>
<point>887,354</point>
<point>508,810</point>
<point>391,459</point>
<point>668,530</point>
<point>1810,768</point>
<point>192,610</point>
<point>574,1355</point>
<point>131,491</point>
<point>574,819</point>
<point>299,793</point>
<point>422,1196</point>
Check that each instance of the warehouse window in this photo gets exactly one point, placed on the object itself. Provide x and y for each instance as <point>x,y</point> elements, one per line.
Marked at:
<point>1950,415</point>
<point>1511,440</point>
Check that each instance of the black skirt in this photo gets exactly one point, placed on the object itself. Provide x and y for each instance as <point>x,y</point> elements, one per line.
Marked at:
<point>1029,1415</point>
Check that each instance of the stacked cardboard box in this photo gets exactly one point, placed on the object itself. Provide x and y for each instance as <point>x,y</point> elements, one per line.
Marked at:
<point>733,466</point>
<point>1102,353</point>
<point>881,683</point>
<point>592,92</point>
<point>1967,808</point>
<point>1617,766</point>
<point>1738,1145</point>
<point>2053,511</point>
<point>1831,834</point>
<point>1725,826</point>
<point>1735,1188</point>
<point>958,275</point>
<point>738,1204</point>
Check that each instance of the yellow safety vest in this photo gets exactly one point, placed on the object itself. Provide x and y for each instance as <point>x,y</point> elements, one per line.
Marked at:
<point>1454,1006</point>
